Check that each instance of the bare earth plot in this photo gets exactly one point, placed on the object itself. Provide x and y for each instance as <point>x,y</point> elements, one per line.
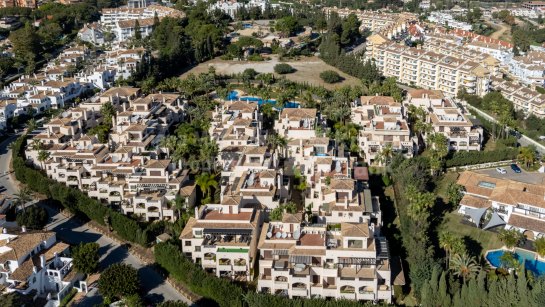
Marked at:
<point>308,70</point>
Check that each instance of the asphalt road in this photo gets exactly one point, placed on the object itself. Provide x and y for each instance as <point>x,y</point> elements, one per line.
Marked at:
<point>72,231</point>
<point>6,184</point>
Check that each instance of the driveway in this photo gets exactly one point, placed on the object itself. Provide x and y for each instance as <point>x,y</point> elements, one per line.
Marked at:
<point>523,176</point>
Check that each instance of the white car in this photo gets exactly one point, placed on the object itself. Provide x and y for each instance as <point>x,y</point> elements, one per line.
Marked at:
<point>501,170</point>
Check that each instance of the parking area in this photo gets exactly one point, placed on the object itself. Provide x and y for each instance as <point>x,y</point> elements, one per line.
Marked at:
<point>523,176</point>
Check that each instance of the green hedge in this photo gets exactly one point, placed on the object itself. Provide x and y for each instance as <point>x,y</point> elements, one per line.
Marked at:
<point>462,158</point>
<point>75,200</point>
<point>224,292</point>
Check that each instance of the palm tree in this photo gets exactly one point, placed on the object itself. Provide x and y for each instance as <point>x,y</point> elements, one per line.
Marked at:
<point>385,155</point>
<point>24,196</point>
<point>32,124</point>
<point>464,266</point>
<point>278,141</point>
<point>43,155</point>
<point>451,244</point>
<point>539,245</point>
<point>527,155</point>
<point>206,182</point>
<point>36,145</point>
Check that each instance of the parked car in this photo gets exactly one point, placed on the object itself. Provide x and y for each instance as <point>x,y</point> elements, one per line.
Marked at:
<point>501,170</point>
<point>515,168</point>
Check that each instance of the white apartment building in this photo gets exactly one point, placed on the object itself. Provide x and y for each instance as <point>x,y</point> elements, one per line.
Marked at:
<point>447,119</point>
<point>222,238</point>
<point>35,261</point>
<point>109,16</point>
<point>237,123</point>
<point>92,33</point>
<point>384,124</point>
<point>447,19</point>
<point>522,97</point>
<point>231,7</point>
<point>511,204</point>
<point>529,68</point>
<point>345,261</point>
<point>125,29</point>
<point>388,24</point>
<point>431,70</point>
<point>297,123</point>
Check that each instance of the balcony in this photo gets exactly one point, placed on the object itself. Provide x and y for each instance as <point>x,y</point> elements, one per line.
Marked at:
<point>299,289</point>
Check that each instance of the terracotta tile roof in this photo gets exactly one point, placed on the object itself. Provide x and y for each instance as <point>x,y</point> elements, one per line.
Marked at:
<point>354,230</point>
<point>527,223</point>
<point>475,202</point>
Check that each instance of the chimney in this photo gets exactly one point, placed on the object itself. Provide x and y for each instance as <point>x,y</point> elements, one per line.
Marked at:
<point>42,261</point>
<point>23,229</point>
<point>196,213</point>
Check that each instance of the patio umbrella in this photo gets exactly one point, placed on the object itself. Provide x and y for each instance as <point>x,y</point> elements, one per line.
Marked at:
<point>476,214</point>
<point>496,220</point>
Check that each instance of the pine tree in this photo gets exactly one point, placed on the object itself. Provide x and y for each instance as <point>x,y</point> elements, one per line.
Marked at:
<point>427,297</point>
<point>137,33</point>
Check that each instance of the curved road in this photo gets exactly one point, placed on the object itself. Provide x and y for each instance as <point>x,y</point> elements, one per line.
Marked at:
<point>72,231</point>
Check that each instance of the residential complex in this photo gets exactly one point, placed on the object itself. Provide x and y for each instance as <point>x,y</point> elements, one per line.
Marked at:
<point>489,202</point>
<point>297,256</point>
<point>35,263</point>
<point>431,70</point>
<point>447,119</point>
<point>130,170</point>
<point>384,124</point>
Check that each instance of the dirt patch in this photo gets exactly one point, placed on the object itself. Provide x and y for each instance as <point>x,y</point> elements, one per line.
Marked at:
<point>308,70</point>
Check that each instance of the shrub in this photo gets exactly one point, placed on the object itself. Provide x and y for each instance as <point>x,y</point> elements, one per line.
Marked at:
<point>86,257</point>
<point>330,76</point>
<point>283,69</point>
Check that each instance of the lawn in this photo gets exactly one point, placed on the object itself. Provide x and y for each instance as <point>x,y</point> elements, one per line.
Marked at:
<point>441,187</point>
<point>479,240</point>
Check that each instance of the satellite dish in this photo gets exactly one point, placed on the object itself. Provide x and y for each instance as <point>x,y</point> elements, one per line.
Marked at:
<point>90,147</point>
<point>289,234</point>
<point>297,234</point>
<point>65,114</point>
<point>79,147</point>
<point>115,159</point>
<point>278,235</point>
<point>284,235</point>
<point>269,235</point>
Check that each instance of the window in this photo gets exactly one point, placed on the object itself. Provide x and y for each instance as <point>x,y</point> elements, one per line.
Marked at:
<point>340,214</point>
<point>198,233</point>
<point>197,248</point>
<point>486,184</point>
<point>187,243</point>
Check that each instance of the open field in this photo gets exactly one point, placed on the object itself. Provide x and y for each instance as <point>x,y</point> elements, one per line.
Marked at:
<point>479,240</point>
<point>308,70</point>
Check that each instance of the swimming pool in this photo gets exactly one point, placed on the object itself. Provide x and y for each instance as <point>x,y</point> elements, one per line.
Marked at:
<point>233,95</point>
<point>529,259</point>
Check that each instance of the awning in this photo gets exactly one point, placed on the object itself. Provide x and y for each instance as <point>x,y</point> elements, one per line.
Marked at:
<point>300,259</point>
<point>357,261</point>
<point>280,252</point>
<point>476,214</point>
<point>496,220</point>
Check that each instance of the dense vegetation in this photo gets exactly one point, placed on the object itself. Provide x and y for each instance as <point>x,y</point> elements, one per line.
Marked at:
<point>461,158</point>
<point>86,257</point>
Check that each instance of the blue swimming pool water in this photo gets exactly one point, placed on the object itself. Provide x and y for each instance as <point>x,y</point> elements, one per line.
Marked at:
<point>535,266</point>
<point>234,96</point>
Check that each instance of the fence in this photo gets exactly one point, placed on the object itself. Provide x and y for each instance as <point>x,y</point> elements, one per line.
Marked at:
<point>479,166</point>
